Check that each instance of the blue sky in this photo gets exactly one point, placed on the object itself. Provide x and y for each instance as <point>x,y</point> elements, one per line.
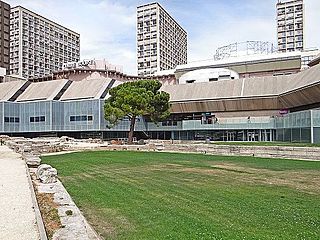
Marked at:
<point>108,27</point>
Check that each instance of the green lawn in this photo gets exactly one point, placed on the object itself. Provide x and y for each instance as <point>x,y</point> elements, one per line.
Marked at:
<point>136,195</point>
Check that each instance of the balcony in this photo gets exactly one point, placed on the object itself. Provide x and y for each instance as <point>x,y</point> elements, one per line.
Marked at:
<point>220,124</point>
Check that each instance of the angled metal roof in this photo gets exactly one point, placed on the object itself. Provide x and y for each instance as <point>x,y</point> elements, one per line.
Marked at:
<point>42,91</point>
<point>245,87</point>
<point>86,89</point>
<point>247,94</point>
<point>8,89</point>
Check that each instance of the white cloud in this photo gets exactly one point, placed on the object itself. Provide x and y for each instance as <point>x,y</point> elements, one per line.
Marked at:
<point>312,23</point>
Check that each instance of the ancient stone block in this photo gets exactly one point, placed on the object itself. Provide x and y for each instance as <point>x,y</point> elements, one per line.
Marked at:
<point>46,174</point>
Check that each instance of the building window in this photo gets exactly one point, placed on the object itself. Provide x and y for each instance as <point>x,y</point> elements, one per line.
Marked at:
<point>82,118</point>
<point>11,119</point>
<point>190,81</point>
<point>38,119</point>
<point>169,123</point>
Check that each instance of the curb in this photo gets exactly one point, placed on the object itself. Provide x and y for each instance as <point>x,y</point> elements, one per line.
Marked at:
<point>41,228</point>
<point>66,200</point>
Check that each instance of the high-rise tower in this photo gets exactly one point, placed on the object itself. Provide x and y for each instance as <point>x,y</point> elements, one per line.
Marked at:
<point>161,41</point>
<point>38,45</point>
<point>4,35</point>
<point>290,25</point>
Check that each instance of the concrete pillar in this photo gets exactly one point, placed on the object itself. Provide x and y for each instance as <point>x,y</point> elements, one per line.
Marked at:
<point>259,137</point>
<point>311,126</point>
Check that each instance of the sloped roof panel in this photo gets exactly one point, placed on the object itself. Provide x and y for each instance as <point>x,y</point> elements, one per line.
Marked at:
<point>42,91</point>
<point>8,89</point>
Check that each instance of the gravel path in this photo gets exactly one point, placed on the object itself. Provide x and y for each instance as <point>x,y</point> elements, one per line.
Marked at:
<point>17,217</point>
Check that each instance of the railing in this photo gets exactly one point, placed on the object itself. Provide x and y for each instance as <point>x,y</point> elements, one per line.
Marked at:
<point>230,123</point>
<point>220,124</point>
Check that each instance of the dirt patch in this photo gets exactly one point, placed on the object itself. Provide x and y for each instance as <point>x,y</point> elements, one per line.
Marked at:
<point>49,213</point>
<point>109,228</point>
<point>199,170</point>
<point>304,180</point>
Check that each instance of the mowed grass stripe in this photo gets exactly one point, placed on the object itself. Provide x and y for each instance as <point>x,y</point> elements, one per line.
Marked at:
<point>134,195</point>
<point>131,182</point>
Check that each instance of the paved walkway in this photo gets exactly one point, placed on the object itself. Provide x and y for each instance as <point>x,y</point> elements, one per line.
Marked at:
<point>17,217</point>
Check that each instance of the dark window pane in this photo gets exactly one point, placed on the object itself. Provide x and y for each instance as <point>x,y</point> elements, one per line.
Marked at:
<point>37,119</point>
<point>6,119</point>
<point>83,118</point>
<point>90,118</point>
<point>31,119</point>
<point>72,118</point>
<point>16,120</point>
<point>42,119</point>
<point>77,118</point>
<point>11,119</point>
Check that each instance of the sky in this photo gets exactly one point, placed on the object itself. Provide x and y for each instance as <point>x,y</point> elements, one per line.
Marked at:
<point>108,27</point>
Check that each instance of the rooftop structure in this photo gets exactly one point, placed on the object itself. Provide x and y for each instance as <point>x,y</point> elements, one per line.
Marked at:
<point>255,65</point>
<point>244,48</point>
<point>161,41</point>
<point>250,65</point>
<point>93,64</point>
<point>290,25</point>
<point>100,69</point>
<point>38,45</point>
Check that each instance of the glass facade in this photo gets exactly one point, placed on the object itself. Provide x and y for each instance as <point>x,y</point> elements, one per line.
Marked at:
<point>294,127</point>
<point>58,116</point>
<point>86,118</point>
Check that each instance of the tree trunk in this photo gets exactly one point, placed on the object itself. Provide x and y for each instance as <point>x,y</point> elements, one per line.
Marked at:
<point>130,135</point>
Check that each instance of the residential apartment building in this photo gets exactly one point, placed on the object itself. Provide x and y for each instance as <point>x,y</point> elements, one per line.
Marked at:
<point>4,35</point>
<point>39,46</point>
<point>290,25</point>
<point>161,41</point>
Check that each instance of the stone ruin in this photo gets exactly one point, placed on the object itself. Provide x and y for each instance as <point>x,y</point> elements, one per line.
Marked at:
<point>46,174</point>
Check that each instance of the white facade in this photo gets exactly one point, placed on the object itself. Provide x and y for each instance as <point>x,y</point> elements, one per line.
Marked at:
<point>39,46</point>
<point>161,41</point>
<point>208,75</point>
<point>306,56</point>
<point>290,25</point>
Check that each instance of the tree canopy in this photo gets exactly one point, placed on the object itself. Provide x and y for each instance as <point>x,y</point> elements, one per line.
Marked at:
<point>137,98</point>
